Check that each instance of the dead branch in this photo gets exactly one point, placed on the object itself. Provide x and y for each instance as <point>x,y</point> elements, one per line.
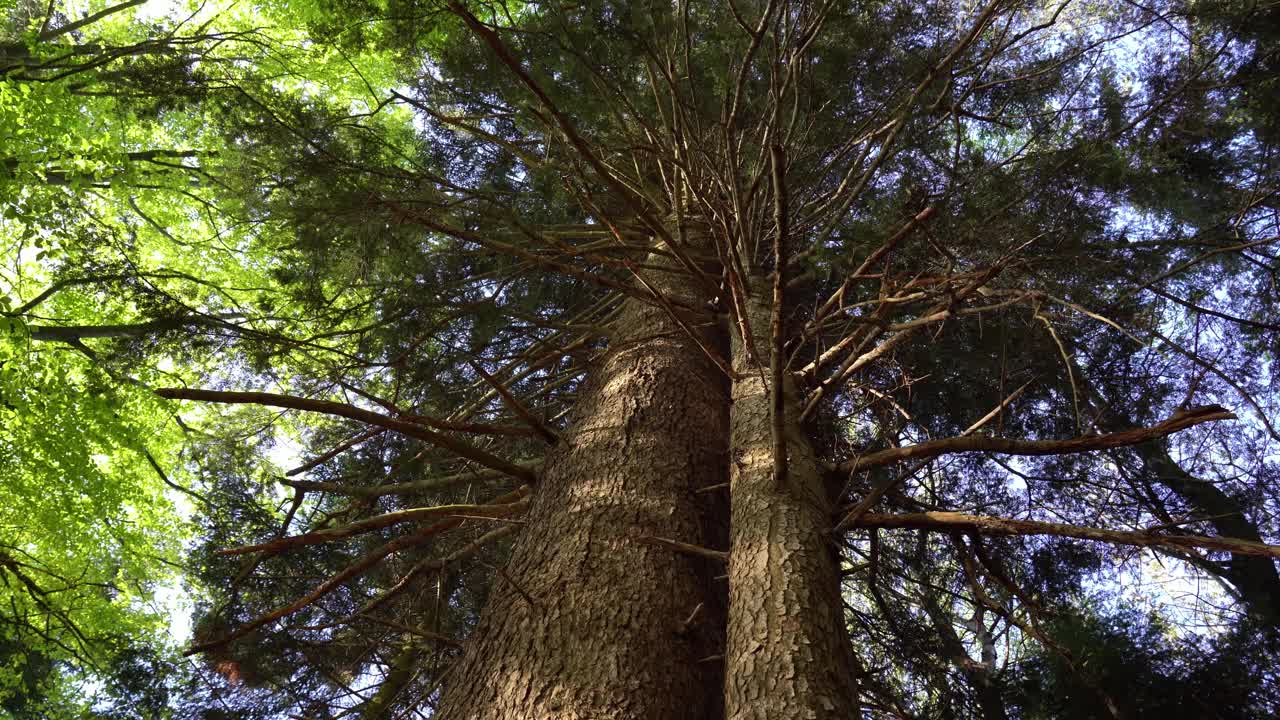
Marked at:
<point>352,412</point>
<point>407,488</point>
<point>499,507</point>
<point>686,548</point>
<point>546,431</point>
<point>354,570</point>
<point>434,565</point>
<point>1085,443</point>
<point>989,525</point>
<point>322,459</point>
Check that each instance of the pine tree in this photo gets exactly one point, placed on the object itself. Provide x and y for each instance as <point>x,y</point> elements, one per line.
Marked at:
<point>779,359</point>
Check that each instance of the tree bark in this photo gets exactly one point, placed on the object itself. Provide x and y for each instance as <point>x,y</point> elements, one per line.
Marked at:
<point>588,621</point>
<point>788,653</point>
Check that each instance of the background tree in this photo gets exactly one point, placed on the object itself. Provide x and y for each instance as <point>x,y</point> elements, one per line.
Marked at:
<point>974,277</point>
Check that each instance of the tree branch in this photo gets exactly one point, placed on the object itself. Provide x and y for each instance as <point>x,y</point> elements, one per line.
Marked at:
<point>989,525</point>
<point>406,488</point>
<point>352,412</point>
<point>354,570</point>
<point>686,548</point>
<point>74,333</point>
<point>48,35</point>
<point>498,507</point>
<point>546,431</point>
<point>1085,443</point>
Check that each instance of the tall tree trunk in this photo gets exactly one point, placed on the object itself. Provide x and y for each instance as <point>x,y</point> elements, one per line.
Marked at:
<point>788,653</point>
<point>587,620</point>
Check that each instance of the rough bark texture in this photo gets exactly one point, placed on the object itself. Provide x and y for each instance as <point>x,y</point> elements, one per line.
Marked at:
<point>787,653</point>
<point>587,621</point>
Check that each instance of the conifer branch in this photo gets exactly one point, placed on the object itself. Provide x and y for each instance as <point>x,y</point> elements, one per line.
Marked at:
<point>406,488</point>
<point>354,570</point>
<point>1085,443</point>
<point>989,525</point>
<point>508,504</point>
<point>546,431</point>
<point>410,429</point>
<point>686,548</point>
<point>434,565</point>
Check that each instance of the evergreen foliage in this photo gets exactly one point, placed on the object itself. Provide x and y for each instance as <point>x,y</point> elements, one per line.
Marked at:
<point>408,226</point>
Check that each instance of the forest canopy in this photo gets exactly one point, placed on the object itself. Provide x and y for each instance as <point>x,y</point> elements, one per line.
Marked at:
<point>714,360</point>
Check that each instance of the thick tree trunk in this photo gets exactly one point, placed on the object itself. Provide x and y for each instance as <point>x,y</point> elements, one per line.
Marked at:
<point>588,621</point>
<point>788,652</point>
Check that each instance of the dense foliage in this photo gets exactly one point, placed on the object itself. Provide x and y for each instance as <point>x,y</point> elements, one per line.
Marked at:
<point>426,213</point>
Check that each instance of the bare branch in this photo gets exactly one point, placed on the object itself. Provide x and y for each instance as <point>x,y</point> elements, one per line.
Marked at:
<point>352,412</point>
<point>1085,443</point>
<point>499,507</point>
<point>988,525</point>
<point>686,548</point>
<point>546,431</point>
<point>310,464</point>
<point>407,488</point>
<point>354,570</point>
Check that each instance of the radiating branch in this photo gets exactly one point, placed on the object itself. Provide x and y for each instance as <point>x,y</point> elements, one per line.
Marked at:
<point>410,429</point>
<point>1086,443</point>
<point>686,548</point>
<point>989,525</point>
<point>435,564</point>
<point>354,570</point>
<point>546,431</point>
<point>500,507</point>
<point>407,488</point>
